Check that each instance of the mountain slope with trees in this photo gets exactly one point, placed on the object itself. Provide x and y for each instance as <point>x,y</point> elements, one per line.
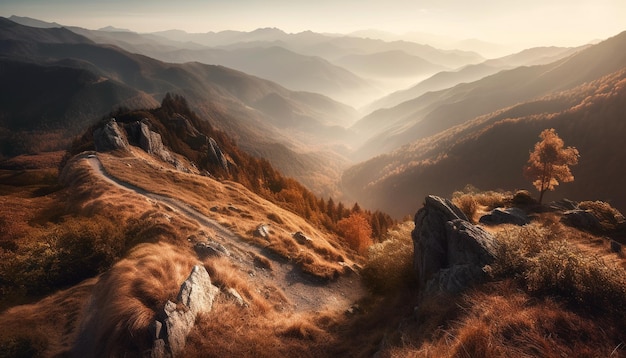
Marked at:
<point>433,112</point>
<point>490,151</point>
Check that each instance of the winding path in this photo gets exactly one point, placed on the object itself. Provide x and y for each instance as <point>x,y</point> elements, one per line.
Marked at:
<point>305,293</point>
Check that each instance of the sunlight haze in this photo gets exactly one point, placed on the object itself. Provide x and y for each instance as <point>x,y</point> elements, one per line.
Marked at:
<point>514,24</point>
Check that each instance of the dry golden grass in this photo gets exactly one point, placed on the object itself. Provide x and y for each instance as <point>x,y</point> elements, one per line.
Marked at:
<point>389,264</point>
<point>474,203</point>
<point>238,209</point>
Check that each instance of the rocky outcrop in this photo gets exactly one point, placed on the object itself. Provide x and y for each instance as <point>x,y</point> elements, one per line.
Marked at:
<point>581,219</point>
<point>499,216</point>
<point>109,137</point>
<point>174,323</point>
<point>186,130</point>
<point>450,252</point>
<point>216,156</point>
<point>148,140</point>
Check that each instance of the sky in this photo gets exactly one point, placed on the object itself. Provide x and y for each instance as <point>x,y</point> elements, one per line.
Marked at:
<point>526,23</point>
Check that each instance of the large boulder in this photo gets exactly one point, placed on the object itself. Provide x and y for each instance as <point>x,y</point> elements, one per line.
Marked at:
<point>499,216</point>
<point>109,137</point>
<point>449,251</point>
<point>581,219</point>
<point>174,323</point>
<point>148,140</point>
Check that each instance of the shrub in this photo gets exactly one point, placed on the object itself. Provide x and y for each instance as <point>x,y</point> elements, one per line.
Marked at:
<point>61,255</point>
<point>470,200</point>
<point>609,217</point>
<point>549,265</point>
<point>390,263</point>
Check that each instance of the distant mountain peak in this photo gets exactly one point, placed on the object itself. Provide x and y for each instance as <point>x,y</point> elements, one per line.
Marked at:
<point>113,29</point>
<point>28,21</point>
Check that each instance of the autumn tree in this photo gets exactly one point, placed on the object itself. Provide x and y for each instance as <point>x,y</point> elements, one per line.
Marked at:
<point>356,230</point>
<point>549,163</point>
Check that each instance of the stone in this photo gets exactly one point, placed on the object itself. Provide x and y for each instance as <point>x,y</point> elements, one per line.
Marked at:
<point>109,137</point>
<point>301,238</point>
<point>206,249</point>
<point>262,230</point>
<point>234,295</point>
<point>216,156</point>
<point>449,252</point>
<point>581,219</point>
<point>499,216</point>
<point>616,246</point>
<point>196,296</point>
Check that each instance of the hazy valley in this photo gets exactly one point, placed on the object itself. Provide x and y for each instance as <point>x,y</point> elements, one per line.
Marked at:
<point>267,193</point>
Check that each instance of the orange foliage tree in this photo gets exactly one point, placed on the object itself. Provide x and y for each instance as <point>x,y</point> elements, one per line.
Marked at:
<point>549,162</point>
<point>357,231</point>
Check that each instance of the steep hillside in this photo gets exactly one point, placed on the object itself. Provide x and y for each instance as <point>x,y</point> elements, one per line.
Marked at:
<point>489,151</point>
<point>242,105</point>
<point>471,73</point>
<point>434,112</point>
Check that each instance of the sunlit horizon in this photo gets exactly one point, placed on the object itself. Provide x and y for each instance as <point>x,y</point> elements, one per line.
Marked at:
<point>443,23</point>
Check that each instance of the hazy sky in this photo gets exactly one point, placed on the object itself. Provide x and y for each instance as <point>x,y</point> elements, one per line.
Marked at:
<point>528,22</point>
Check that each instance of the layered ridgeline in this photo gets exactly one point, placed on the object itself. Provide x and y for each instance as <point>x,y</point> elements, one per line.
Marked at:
<point>349,69</point>
<point>388,129</point>
<point>490,151</point>
<point>78,81</point>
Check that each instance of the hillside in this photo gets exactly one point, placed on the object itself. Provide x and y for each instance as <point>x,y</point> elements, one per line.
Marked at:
<point>471,73</point>
<point>431,113</point>
<point>101,78</point>
<point>490,151</point>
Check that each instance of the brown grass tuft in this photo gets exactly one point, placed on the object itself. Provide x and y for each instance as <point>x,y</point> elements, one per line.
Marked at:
<point>389,264</point>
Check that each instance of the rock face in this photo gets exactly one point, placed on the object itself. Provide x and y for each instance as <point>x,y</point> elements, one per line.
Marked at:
<point>110,137</point>
<point>581,219</point>
<point>216,155</point>
<point>499,216</point>
<point>450,252</point>
<point>148,140</point>
<point>174,323</point>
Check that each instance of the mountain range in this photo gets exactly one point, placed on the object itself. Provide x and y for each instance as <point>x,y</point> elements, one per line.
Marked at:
<point>489,151</point>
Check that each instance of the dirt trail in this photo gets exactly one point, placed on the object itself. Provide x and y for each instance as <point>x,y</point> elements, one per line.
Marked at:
<point>304,292</point>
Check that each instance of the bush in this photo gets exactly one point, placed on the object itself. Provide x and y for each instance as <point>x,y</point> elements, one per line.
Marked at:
<point>61,255</point>
<point>470,200</point>
<point>390,262</point>
<point>547,264</point>
<point>609,217</point>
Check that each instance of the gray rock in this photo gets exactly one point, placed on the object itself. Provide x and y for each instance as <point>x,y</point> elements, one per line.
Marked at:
<point>216,156</point>
<point>262,231</point>
<point>110,137</point>
<point>301,238</point>
<point>581,219</point>
<point>206,249</point>
<point>499,216</point>
<point>616,246</point>
<point>449,252</point>
<point>234,295</point>
<point>196,296</point>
